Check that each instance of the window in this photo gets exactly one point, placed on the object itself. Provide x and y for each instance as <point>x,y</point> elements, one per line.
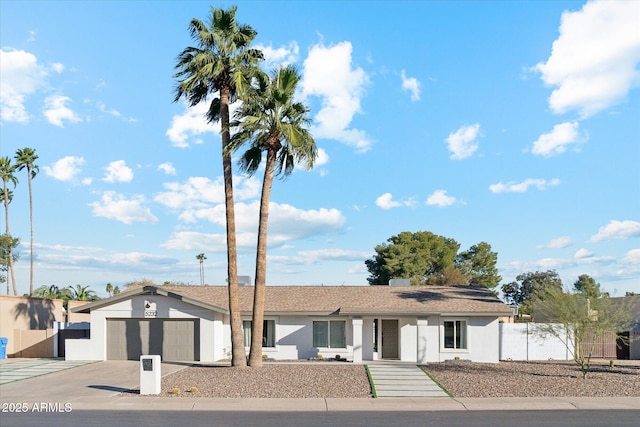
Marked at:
<point>455,334</point>
<point>330,334</point>
<point>268,333</point>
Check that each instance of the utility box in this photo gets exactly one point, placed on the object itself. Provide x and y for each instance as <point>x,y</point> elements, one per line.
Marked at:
<point>150,375</point>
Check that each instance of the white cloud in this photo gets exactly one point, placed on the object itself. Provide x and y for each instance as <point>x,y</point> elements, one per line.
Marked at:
<point>583,253</point>
<point>594,62</point>
<point>194,241</point>
<point>57,67</point>
<point>328,74</point>
<point>201,192</point>
<point>334,254</point>
<point>286,223</point>
<point>512,187</point>
<point>167,168</point>
<point>462,143</point>
<point>386,202</point>
<point>103,108</point>
<point>560,242</point>
<point>116,206</point>
<point>56,111</point>
<point>118,171</point>
<point>439,198</point>
<point>283,55</point>
<point>322,158</point>
<point>556,141</point>
<point>632,257</point>
<point>617,230</point>
<point>190,123</point>
<point>411,85</point>
<point>21,76</point>
<point>65,169</point>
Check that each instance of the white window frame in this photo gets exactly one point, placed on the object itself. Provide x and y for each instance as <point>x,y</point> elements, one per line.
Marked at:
<point>464,336</point>
<point>246,333</point>
<point>328,322</point>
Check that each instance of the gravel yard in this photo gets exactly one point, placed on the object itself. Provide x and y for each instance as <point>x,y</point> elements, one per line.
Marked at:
<point>461,379</point>
<point>535,379</point>
<point>272,380</point>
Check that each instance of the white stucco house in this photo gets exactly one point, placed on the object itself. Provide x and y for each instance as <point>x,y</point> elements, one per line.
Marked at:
<point>360,323</point>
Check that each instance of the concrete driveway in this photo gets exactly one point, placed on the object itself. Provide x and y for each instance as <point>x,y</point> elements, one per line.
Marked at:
<point>41,380</point>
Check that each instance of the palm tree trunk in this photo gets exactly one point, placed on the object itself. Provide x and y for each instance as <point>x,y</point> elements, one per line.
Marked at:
<point>31,225</point>
<point>257,325</point>
<point>238,357</point>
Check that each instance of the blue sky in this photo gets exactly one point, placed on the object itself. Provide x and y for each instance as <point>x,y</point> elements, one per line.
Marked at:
<point>514,123</point>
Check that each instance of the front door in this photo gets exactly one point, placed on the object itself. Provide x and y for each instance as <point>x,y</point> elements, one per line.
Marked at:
<point>390,339</point>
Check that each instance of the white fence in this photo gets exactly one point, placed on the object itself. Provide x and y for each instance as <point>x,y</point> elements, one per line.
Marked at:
<point>526,341</point>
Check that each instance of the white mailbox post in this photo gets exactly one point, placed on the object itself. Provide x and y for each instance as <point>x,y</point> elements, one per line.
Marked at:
<point>150,375</point>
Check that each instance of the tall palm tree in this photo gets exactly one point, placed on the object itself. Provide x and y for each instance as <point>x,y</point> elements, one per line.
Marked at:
<point>271,121</point>
<point>109,289</point>
<point>201,258</point>
<point>25,158</point>
<point>7,175</point>
<point>220,65</point>
<point>82,293</point>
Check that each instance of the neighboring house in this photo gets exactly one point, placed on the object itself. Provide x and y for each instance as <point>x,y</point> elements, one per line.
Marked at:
<point>191,323</point>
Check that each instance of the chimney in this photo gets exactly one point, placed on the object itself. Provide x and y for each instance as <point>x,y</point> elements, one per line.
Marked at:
<point>400,282</point>
<point>244,281</point>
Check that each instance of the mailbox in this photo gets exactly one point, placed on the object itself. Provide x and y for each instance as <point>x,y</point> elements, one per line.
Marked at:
<point>150,375</point>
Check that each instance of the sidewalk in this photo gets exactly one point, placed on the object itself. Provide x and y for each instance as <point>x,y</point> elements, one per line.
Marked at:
<point>100,385</point>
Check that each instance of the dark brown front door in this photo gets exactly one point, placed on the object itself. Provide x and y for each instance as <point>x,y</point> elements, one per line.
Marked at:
<point>390,339</point>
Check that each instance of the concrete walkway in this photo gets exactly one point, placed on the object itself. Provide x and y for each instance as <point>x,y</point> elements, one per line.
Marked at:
<point>23,369</point>
<point>397,379</point>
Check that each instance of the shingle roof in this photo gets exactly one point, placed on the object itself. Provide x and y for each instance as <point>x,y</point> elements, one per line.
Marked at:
<point>353,300</point>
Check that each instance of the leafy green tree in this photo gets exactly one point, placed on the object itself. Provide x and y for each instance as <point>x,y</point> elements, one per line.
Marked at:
<point>7,245</point>
<point>271,121</point>
<point>414,256</point>
<point>588,287</point>
<point>109,289</point>
<point>480,263</point>
<point>7,175</point>
<point>220,65</point>
<point>583,321</point>
<point>25,159</point>
<point>116,290</point>
<point>523,291</point>
<point>451,276</point>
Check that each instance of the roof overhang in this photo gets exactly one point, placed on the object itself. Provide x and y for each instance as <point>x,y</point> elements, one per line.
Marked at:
<point>147,290</point>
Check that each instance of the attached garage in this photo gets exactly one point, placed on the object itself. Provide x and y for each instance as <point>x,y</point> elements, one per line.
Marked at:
<point>172,339</point>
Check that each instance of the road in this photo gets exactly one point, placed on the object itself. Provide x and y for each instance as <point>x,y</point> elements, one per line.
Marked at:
<point>577,418</point>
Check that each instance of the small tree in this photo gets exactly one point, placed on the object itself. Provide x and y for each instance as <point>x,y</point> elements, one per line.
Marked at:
<point>583,321</point>
<point>7,245</point>
<point>109,289</point>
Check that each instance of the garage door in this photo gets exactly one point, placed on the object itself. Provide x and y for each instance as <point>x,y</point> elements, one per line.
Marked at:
<point>175,340</point>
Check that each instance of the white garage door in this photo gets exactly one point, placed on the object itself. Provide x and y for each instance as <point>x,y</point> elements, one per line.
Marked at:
<point>174,340</point>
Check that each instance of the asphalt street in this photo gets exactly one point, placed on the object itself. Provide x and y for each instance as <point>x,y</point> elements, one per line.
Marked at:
<point>577,418</point>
